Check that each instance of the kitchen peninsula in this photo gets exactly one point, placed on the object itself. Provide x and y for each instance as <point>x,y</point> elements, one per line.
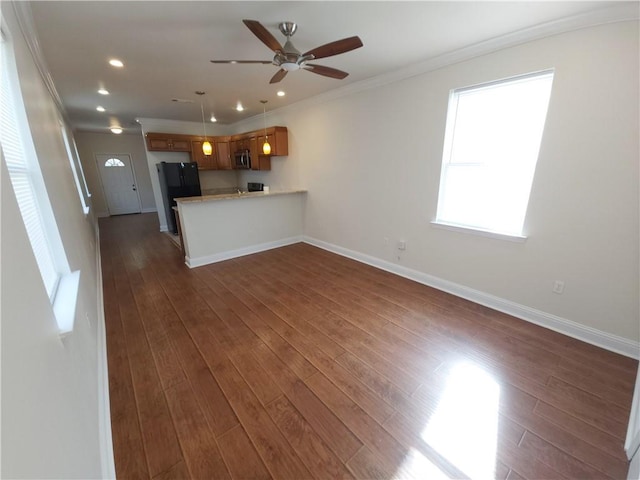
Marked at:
<point>224,226</point>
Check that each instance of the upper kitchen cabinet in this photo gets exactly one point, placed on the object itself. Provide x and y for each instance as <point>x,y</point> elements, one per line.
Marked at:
<point>278,138</point>
<point>253,150</point>
<point>224,148</point>
<point>168,142</point>
<point>223,155</point>
<point>205,162</point>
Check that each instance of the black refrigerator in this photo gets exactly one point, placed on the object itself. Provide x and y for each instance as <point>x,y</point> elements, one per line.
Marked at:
<point>177,180</point>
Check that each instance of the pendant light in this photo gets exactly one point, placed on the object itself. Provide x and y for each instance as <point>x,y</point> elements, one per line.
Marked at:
<point>266,148</point>
<point>207,149</point>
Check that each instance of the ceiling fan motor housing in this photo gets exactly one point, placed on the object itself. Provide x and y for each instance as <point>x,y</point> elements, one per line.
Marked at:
<point>288,28</point>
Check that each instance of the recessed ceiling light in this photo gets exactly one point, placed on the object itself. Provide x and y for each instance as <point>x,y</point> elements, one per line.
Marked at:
<point>239,107</point>
<point>116,130</point>
<point>103,91</point>
<point>280,93</point>
<point>114,62</point>
<point>100,109</point>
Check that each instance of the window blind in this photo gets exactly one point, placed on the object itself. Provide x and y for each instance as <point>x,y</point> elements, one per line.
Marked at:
<point>22,175</point>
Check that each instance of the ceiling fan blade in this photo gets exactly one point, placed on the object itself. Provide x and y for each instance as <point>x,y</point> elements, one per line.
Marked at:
<point>263,34</point>
<point>264,62</point>
<point>280,74</point>
<point>335,48</point>
<point>326,71</point>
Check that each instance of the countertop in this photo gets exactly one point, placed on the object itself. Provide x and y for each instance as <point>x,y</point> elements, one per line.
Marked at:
<point>235,196</point>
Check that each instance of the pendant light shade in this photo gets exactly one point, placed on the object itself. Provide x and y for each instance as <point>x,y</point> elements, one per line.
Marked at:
<point>266,148</point>
<point>207,149</point>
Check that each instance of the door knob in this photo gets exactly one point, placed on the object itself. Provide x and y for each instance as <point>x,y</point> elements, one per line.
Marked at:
<point>134,187</point>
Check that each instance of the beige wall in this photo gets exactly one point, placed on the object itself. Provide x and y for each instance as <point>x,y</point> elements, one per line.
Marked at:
<point>90,144</point>
<point>371,163</point>
<point>53,416</point>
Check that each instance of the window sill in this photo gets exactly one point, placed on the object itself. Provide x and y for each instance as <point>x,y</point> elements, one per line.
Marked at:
<point>479,232</point>
<point>64,304</point>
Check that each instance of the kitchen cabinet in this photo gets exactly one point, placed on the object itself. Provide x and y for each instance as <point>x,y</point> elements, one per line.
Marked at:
<point>253,149</point>
<point>261,162</point>
<point>205,162</point>
<point>278,139</point>
<point>165,142</point>
<point>223,155</point>
<point>224,147</point>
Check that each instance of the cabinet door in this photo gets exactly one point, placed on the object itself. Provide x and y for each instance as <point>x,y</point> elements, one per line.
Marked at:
<point>280,142</point>
<point>205,162</point>
<point>180,145</point>
<point>224,156</point>
<point>252,145</point>
<point>261,162</point>
<point>272,142</point>
<point>161,144</point>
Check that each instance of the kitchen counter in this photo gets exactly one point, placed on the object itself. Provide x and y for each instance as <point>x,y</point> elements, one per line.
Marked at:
<point>218,227</point>
<point>235,196</point>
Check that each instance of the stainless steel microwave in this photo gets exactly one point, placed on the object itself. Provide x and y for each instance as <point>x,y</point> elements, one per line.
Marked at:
<point>242,159</point>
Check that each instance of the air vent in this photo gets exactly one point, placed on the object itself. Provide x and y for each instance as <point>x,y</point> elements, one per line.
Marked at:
<point>181,100</point>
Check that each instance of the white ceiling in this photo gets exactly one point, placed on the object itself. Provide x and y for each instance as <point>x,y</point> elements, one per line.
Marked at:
<point>166,47</point>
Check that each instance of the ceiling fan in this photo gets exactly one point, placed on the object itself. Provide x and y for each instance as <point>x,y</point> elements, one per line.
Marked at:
<point>289,58</point>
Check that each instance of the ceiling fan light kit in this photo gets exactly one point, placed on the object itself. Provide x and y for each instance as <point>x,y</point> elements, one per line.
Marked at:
<point>289,59</point>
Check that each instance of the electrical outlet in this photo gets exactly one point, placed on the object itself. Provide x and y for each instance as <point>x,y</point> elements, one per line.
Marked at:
<point>385,240</point>
<point>402,245</point>
<point>558,287</point>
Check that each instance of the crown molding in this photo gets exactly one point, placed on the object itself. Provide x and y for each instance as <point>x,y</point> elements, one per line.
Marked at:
<point>25,22</point>
<point>624,12</point>
<point>179,126</point>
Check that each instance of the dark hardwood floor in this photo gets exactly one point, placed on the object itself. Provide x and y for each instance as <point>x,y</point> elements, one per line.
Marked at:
<point>297,363</point>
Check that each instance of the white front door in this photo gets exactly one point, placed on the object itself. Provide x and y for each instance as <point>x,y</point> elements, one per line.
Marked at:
<point>119,183</point>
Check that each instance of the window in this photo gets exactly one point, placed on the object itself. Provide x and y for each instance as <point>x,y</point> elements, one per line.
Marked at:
<point>114,162</point>
<point>74,160</point>
<point>19,154</point>
<point>492,140</point>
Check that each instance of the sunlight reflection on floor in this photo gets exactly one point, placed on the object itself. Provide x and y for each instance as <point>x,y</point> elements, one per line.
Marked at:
<point>417,466</point>
<point>464,428</point>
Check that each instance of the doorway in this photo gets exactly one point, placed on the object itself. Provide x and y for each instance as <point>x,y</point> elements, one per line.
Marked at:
<point>119,183</point>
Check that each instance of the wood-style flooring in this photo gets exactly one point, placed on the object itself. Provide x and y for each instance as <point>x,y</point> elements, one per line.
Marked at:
<point>297,363</point>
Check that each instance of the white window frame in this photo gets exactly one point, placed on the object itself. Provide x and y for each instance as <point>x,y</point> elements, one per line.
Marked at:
<point>76,166</point>
<point>20,157</point>
<point>457,224</point>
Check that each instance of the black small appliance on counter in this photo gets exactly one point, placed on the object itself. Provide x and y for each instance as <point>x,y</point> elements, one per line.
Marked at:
<point>255,187</point>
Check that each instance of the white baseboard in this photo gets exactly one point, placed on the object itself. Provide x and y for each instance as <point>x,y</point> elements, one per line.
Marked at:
<point>144,210</point>
<point>164,228</point>
<point>104,411</point>
<point>567,327</point>
<point>240,252</point>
